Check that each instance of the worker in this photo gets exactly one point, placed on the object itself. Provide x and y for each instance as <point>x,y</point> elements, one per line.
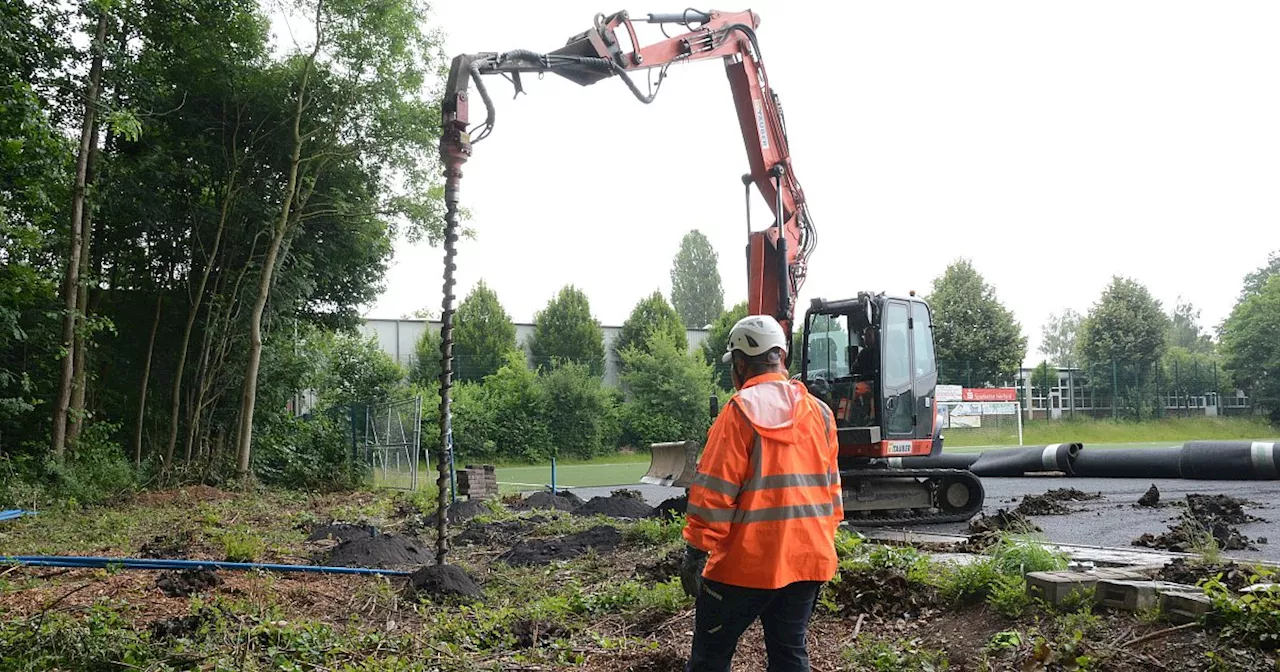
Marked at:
<point>763,508</point>
<point>866,366</point>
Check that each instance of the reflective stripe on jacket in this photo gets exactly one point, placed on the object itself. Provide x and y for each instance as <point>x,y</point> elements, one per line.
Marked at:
<point>765,501</point>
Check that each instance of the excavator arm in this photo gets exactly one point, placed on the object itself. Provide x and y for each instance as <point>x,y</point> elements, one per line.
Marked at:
<point>777,256</point>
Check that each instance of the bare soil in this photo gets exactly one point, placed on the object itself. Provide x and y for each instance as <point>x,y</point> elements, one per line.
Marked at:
<point>670,508</point>
<point>169,547</point>
<point>444,581</point>
<point>187,582</point>
<point>617,505</point>
<point>1215,514</point>
<point>387,551</point>
<point>602,538</point>
<point>1052,503</point>
<point>545,500</point>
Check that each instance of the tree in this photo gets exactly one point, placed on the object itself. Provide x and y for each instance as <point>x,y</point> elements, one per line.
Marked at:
<point>976,336</point>
<point>1251,345</point>
<point>425,370</point>
<point>1058,339</point>
<point>718,339</point>
<point>354,370</point>
<point>696,293</point>
<point>483,334</point>
<point>668,391</point>
<point>579,410</point>
<point>1257,280</point>
<point>1045,378</point>
<point>1126,325</point>
<point>653,315</point>
<point>1185,331</point>
<point>566,331</point>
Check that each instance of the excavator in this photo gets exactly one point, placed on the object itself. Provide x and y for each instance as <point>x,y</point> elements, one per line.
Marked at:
<point>870,357</point>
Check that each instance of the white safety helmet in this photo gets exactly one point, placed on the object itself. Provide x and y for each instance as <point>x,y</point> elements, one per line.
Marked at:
<point>754,335</point>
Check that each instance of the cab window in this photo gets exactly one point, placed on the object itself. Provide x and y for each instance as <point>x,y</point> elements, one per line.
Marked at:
<point>922,333</point>
<point>828,337</point>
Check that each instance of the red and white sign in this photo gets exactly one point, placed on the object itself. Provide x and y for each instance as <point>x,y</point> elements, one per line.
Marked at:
<point>990,394</point>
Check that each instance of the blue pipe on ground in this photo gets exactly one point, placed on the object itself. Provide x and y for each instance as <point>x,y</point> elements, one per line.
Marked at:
<point>88,562</point>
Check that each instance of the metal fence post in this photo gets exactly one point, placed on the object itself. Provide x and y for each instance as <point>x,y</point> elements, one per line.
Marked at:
<point>1115,384</point>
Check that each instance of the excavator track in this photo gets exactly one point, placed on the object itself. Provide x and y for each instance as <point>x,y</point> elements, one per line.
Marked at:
<point>876,497</point>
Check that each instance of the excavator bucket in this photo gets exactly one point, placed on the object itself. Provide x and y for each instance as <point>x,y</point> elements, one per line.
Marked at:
<point>672,464</point>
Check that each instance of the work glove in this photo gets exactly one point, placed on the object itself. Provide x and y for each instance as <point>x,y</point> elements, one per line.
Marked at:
<point>695,561</point>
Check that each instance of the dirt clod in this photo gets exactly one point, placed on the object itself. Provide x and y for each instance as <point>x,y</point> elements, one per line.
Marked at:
<point>1216,515</point>
<point>169,547</point>
<point>532,632</point>
<point>1219,508</point>
<point>670,508</point>
<point>176,626</point>
<point>663,568</point>
<point>985,530</point>
<point>1179,570</point>
<point>466,510</point>
<point>1051,502</point>
<point>544,551</point>
<point>342,532</point>
<point>617,506</point>
<point>382,552</point>
<point>883,593</point>
<point>187,582</point>
<point>1151,498</point>
<point>444,581</point>
<point>545,500</point>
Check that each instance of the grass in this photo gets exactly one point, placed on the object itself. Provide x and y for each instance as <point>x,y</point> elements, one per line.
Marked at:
<point>1103,431</point>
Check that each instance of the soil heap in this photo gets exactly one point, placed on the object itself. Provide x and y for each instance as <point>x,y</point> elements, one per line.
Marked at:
<point>670,508</point>
<point>1213,515</point>
<point>985,530</point>
<point>617,505</point>
<point>187,582</point>
<point>545,551</point>
<point>384,551</point>
<point>342,532</point>
<point>1151,498</point>
<point>444,581</point>
<point>1051,502</point>
<point>564,501</point>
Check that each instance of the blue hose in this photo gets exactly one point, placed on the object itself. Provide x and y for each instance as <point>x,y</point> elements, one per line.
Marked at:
<point>142,563</point>
<point>10,514</point>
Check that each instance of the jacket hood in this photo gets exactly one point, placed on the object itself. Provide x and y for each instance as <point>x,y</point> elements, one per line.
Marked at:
<point>772,404</point>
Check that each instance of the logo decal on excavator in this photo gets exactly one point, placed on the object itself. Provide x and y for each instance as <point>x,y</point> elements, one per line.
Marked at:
<point>899,447</point>
<point>764,133</point>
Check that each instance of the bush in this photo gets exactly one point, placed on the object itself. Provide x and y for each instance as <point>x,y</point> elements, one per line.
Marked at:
<point>668,389</point>
<point>503,418</point>
<point>313,454</point>
<point>578,410</point>
<point>425,370</point>
<point>354,370</point>
<point>95,469</point>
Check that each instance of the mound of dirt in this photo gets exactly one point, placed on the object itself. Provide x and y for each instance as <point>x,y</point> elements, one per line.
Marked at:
<point>1219,508</point>
<point>1181,571</point>
<point>503,532</point>
<point>615,505</point>
<point>187,582</point>
<point>985,530</point>
<point>670,508</point>
<point>1151,498</point>
<point>167,547</point>
<point>882,593</point>
<point>465,510</point>
<point>545,551</point>
<point>342,532</point>
<point>544,500</point>
<point>532,632</point>
<point>663,568</point>
<point>176,626</point>
<point>1187,535</point>
<point>384,551</point>
<point>1051,502</point>
<point>444,581</point>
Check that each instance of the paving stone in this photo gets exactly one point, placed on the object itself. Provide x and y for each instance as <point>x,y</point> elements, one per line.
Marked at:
<point>1057,587</point>
<point>1135,595</point>
<point>1185,607</point>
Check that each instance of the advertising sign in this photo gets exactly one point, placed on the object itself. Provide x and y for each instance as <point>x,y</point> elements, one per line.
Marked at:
<point>990,394</point>
<point>949,392</point>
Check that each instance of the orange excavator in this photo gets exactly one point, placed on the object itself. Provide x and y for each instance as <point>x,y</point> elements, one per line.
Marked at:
<point>870,357</point>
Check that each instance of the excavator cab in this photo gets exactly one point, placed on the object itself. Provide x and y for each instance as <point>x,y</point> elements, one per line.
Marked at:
<point>871,359</point>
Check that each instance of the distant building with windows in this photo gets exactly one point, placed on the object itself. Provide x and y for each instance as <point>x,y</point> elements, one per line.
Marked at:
<point>1072,394</point>
<point>398,338</point>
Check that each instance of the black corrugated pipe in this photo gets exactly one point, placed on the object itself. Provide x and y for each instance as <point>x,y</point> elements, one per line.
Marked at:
<point>1129,463</point>
<point>1034,459</point>
<point>1229,460</point>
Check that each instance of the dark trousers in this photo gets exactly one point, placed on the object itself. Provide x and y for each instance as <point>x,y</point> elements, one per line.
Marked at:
<point>724,612</point>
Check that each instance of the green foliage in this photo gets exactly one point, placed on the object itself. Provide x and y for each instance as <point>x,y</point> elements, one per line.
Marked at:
<point>242,544</point>
<point>656,531</point>
<point>566,331</point>
<point>1251,618</point>
<point>1058,339</point>
<point>1255,282</point>
<point>696,293</point>
<point>717,341</point>
<point>907,655</point>
<point>1008,596</point>
<point>353,370</point>
<point>308,454</point>
<point>1251,345</point>
<point>1019,556</point>
<point>1044,377</point>
<point>425,370</point>
<point>580,413</point>
<point>976,336</point>
<point>1185,331</point>
<point>483,335</point>
<point>653,315</point>
<point>96,470</point>
<point>668,391</point>
<point>999,577</point>
<point>1126,324</point>
<point>503,418</point>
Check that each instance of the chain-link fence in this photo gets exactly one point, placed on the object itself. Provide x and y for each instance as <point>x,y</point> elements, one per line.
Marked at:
<point>387,438</point>
<point>1116,389</point>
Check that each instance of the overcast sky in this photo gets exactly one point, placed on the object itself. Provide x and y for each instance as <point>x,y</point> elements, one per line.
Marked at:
<point>1054,144</point>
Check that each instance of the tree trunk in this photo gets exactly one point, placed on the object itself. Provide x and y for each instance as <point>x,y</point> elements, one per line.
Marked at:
<point>146,380</point>
<point>71,284</point>
<point>244,437</point>
<point>76,414</point>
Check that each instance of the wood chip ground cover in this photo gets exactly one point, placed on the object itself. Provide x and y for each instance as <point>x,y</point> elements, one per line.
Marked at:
<point>609,609</point>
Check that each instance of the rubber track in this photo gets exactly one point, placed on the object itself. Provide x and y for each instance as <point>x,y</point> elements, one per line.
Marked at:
<point>919,517</point>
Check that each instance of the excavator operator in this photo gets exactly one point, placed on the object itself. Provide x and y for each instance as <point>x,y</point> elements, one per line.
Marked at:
<point>763,508</point>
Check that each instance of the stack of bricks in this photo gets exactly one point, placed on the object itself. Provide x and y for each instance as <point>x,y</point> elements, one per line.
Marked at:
<point>478,481</point>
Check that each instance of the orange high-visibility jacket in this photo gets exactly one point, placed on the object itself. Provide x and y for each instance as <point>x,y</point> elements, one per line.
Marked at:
<point>765,502</point>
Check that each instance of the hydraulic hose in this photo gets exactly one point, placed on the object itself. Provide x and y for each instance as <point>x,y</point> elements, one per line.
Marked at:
<point>88,562</point>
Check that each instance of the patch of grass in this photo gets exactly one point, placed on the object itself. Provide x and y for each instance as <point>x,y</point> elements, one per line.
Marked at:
<point>242,545</point>
<point>1105,430</point>
<point>904,655</point>
<point>915,565</point>
<point>1018,555</point>
<point>999,578</point>
<point>656,531</point>
<point>1008,596</point>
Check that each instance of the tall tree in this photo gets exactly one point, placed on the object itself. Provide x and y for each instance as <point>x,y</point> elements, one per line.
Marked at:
<point>1257,280</point>
<point>483,334</point>
<point>1251,345</point>
<point>652,315</point>
<point>1126,325</point>
<point>1058,338</point>
<point>696,293</point>
<point>566,330</point>
<point>977,338</point>
<point>71,283</point>
<point>425,370</point>
<point>1185,331</point>
<point>718,339</point>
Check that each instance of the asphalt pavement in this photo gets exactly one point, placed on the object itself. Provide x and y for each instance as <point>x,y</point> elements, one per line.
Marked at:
<point>1115,520</point>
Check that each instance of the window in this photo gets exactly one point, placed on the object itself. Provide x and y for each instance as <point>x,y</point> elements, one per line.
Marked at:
<point>828,337</point>
<point>897,369</point>
<point>923,334</point>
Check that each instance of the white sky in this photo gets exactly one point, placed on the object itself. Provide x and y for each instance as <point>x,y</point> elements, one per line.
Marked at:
<point>1054,144</point>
